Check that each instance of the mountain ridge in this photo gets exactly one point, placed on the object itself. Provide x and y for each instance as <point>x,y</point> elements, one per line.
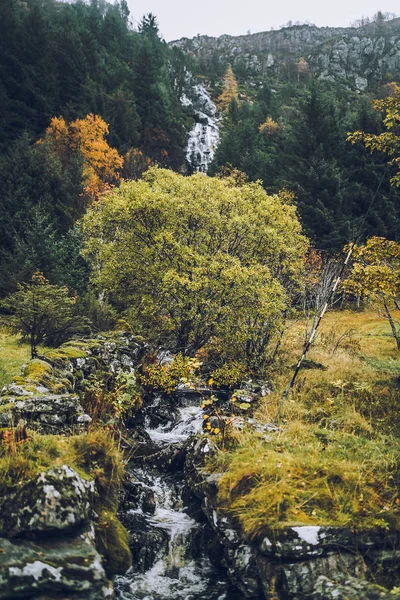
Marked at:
<point>361,57</point>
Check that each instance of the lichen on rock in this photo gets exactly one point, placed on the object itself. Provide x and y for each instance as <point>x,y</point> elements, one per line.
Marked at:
<point>55,501</point>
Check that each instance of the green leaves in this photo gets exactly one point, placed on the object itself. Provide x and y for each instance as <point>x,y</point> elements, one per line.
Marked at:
<point>376,271</point>
<point>387,142</point>
<point>43,312</point>
<point>195,258</point>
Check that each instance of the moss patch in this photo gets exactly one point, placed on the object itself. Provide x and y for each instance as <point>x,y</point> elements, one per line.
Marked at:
<point>95,456</point>
<point>37,370</point>
<point>65,353</point>
<point>112,543</point>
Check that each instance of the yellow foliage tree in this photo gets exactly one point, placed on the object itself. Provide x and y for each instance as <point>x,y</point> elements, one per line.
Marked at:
<point>376,276</point>
<point>101,163</point>
<point>229,90</point>
<point>269,127</point>
<point>388,141</point>
<point>198,260</point>
<point>302,68</point>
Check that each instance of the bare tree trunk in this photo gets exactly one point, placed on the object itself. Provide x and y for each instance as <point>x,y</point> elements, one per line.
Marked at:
<point>33,346</point>
<point>392,325</point>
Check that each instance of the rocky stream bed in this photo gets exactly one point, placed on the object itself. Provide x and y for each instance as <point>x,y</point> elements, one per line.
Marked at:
<point>183,544</point>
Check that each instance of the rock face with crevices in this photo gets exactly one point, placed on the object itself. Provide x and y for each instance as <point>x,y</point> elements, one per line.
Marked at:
<point>51,413</point>
<point>359,57</point>
<point>47,540</point>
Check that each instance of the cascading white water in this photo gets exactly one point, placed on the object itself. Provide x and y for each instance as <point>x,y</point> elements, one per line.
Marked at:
<point>204,137</point>
<point>174,573</point>
<point>190,421</point>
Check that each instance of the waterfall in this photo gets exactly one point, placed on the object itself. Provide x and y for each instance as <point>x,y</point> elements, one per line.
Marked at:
<point>168,539</point>
<point>204,137</point>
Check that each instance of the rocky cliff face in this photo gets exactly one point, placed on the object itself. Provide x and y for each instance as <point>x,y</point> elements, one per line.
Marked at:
<point>360,57</point>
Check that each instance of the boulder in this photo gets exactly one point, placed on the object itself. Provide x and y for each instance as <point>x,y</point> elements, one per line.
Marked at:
<point>55,501</point>
<point>68,567</point>
<point>136,496</point>
<point>51,413</point>
<point>310,540</point>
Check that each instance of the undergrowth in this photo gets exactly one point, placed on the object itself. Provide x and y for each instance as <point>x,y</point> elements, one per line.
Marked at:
<point>306,475</point>
<point>335,457</point>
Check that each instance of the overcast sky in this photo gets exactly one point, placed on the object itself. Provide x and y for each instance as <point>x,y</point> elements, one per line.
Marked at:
<point>187,18</point>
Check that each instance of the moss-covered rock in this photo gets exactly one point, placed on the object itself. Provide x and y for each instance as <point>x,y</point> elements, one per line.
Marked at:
<point>51,413</point>
<point>112,543</point>
<point>37,370</point>
<point>54,485</point>
<point>55,568</point>
<point>56,500</point>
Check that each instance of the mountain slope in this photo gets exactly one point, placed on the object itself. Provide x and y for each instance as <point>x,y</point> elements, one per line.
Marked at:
<point>360,57</point>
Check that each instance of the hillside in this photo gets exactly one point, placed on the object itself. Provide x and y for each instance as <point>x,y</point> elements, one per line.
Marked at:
<point>362,57</point>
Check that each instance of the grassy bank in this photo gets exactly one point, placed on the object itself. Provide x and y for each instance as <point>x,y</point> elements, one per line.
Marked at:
<point>335,459</point>
<point>13,354</point>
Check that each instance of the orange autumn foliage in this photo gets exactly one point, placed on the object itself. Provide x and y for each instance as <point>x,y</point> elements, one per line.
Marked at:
<point>101,163</point>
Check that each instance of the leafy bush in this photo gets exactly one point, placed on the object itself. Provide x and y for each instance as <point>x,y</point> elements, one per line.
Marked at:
<point>191,258</point>
<point>230,374</point>
<point>165,377</point>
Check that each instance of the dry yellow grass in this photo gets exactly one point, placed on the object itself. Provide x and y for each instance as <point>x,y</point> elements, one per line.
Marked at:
<point>336,456</point>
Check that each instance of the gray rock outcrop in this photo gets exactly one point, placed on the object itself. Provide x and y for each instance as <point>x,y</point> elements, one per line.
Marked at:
<point>53,568</point>
<point>295,563</point>
<point>358,57</point>
<point>55,501</point>
<point>47,540</point>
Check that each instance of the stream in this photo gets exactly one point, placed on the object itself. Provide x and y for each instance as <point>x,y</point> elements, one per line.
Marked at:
<point>171,543</point>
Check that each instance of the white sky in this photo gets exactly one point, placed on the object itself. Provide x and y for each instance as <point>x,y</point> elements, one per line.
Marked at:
<point>187,18</point>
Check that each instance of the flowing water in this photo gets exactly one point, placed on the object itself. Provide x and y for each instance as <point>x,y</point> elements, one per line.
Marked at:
<point>170,556</point>
<point>204,137</point>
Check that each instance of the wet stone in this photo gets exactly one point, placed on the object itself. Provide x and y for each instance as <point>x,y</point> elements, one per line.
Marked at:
<point>60,568</point>
<point>309,541</point>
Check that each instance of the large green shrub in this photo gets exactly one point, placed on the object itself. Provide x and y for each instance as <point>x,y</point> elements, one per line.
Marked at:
<point>198,258</point>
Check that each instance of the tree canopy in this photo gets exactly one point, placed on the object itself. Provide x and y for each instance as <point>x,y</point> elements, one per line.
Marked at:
<point>388,141</point>
<point>195,259</point>
<point>43,312</point>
